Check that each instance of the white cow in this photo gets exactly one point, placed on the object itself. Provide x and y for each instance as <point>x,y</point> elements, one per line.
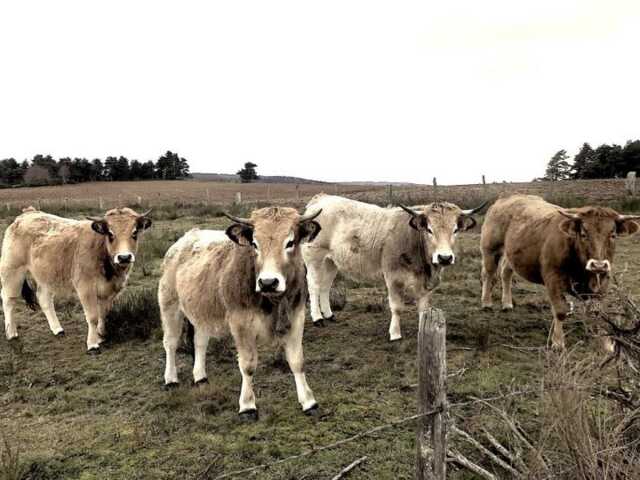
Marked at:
<point>405,247</point>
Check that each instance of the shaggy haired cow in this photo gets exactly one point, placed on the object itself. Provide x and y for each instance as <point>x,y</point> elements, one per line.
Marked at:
<point>249,280</point>
<point>91,258</point>
<point>367,242</point>
<point>567,251</point>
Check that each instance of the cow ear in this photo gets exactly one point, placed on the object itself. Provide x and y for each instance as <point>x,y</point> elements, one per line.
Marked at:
<point>99,226</point>
<point>627,227</point>
<point>309,230</point>
<point>570,227</point>
<point>144,223</point>
<point>466,222</point>
<point>240,234</point>
<point>419,222</point>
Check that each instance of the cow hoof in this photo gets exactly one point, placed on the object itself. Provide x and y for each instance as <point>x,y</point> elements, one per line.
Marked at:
<point>14,339</point>
<point>170,386</point>
<point>507,308</point>
<point>60,334</point>
<point>319,323</point>
<point>332,318</point>
<point>395,339</point>
<point>202,381</point>
<point>94,351</point>
<point>312,411</point>
<point>249,415</point>
<point>486,308</point>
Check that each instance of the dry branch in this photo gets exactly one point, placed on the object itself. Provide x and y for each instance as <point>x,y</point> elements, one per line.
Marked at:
<point>348,468</point>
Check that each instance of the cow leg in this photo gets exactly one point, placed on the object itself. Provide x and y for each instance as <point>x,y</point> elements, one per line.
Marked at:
<point>200,343</point>
<point>490,264</point>
<point>45,299</point>
<point>295,358</point>
<point>329,273</point>
<point>11,293</point>
<point>246,344</point>
<point>396,305</point>
<point>315,266</point>
<point>506,274</point>
<point>89,301</point>
<point>560,308</point>
<point>171,331</point>
<point>104,309</point>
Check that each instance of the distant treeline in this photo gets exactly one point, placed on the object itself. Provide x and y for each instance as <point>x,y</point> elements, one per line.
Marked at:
<point>45,170</point>
<point>606,161</point>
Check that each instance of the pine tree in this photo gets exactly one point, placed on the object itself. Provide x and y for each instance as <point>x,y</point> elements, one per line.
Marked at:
<point>558,168</point>
<point>248,174</point>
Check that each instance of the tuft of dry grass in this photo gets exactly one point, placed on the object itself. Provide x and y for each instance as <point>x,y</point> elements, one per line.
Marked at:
<point>11,466</point>
<point>135,315</point>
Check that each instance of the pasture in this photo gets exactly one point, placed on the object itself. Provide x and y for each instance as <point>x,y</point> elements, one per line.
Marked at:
<point>71,415</point>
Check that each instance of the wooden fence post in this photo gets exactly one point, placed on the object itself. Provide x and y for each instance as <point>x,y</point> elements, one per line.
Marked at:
<point>208,197</point>
<point>238,198</point>
<point>431,462</point>
<point>435,189</point>
<point>630,183</point>
<point>100,203</point>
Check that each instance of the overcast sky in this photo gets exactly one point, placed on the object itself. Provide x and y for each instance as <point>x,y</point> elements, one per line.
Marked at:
<point>333,90</point>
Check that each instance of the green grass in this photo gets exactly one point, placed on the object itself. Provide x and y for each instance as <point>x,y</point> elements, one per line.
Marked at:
<point>75,416</point>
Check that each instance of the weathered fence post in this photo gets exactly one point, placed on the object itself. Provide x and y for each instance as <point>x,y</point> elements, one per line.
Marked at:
<point>100,203</point>
<point>208,197</point>
<point>435,189</point>
<point>390,193</point>
<point>335,189</point>
<point>431,462</point>
<point>630,183</point>
<point>238,198</point>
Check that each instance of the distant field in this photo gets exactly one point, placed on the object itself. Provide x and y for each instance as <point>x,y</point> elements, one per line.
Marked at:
<point>159,192</point>
<point>195,192</point>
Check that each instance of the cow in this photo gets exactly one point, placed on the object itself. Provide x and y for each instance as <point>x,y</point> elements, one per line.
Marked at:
<point>91,258</point>
<point>249,281</point>
<point>405,247</point>
<point>568,251</point>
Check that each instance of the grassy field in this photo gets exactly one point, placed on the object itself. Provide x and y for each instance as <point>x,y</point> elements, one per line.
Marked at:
<point>81,417</point>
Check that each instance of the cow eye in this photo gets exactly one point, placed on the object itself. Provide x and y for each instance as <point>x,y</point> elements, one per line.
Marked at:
<point>455,229</point>
<point>254,245</point>
<point>135,234</point>
<point>111,236</point>
<point>429,230</point>
<point>289,244</point>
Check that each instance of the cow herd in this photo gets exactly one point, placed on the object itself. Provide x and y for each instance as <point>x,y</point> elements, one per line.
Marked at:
<point>251,281</point>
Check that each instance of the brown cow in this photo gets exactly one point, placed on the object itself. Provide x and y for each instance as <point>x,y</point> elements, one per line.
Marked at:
<point>253,286</point>
<point>567,251</point>
<point>91,258</point>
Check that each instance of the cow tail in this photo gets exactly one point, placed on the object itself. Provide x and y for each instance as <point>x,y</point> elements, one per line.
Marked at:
<point>29,295</point>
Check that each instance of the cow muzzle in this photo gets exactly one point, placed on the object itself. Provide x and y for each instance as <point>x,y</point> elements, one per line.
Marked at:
<point>271,284</point>
<point>443,258</point>
<point>598,266</point>
<point>124,258</point>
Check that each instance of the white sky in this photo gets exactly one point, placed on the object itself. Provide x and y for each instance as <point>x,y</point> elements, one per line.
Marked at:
<point>332,90</point>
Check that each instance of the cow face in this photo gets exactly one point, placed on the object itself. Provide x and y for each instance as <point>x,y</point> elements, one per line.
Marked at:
<point>440,224</point>
<point>594,231</point>
<point>122,229</point>
<point>274,235</point>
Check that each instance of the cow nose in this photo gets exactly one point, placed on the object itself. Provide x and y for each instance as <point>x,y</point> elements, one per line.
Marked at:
<point>124,257</point>
<point>445,259</point>
<point>268,284</point>
<point>598,266</point>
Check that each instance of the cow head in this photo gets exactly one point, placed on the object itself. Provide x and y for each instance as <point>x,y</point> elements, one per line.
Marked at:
<point>274,235</point>
<point>593,231</point>
<point>121,228</point>
<point>439,223</point>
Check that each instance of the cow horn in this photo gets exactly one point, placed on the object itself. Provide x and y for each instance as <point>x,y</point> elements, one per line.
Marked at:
<point>622,218</point>
<point>411,212</point>
<point>309,216</point>
<point>243,221</point>
<point>572,216</point>
<point>471,211</point>
<point>146,214</point>
<point>96,219</point>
